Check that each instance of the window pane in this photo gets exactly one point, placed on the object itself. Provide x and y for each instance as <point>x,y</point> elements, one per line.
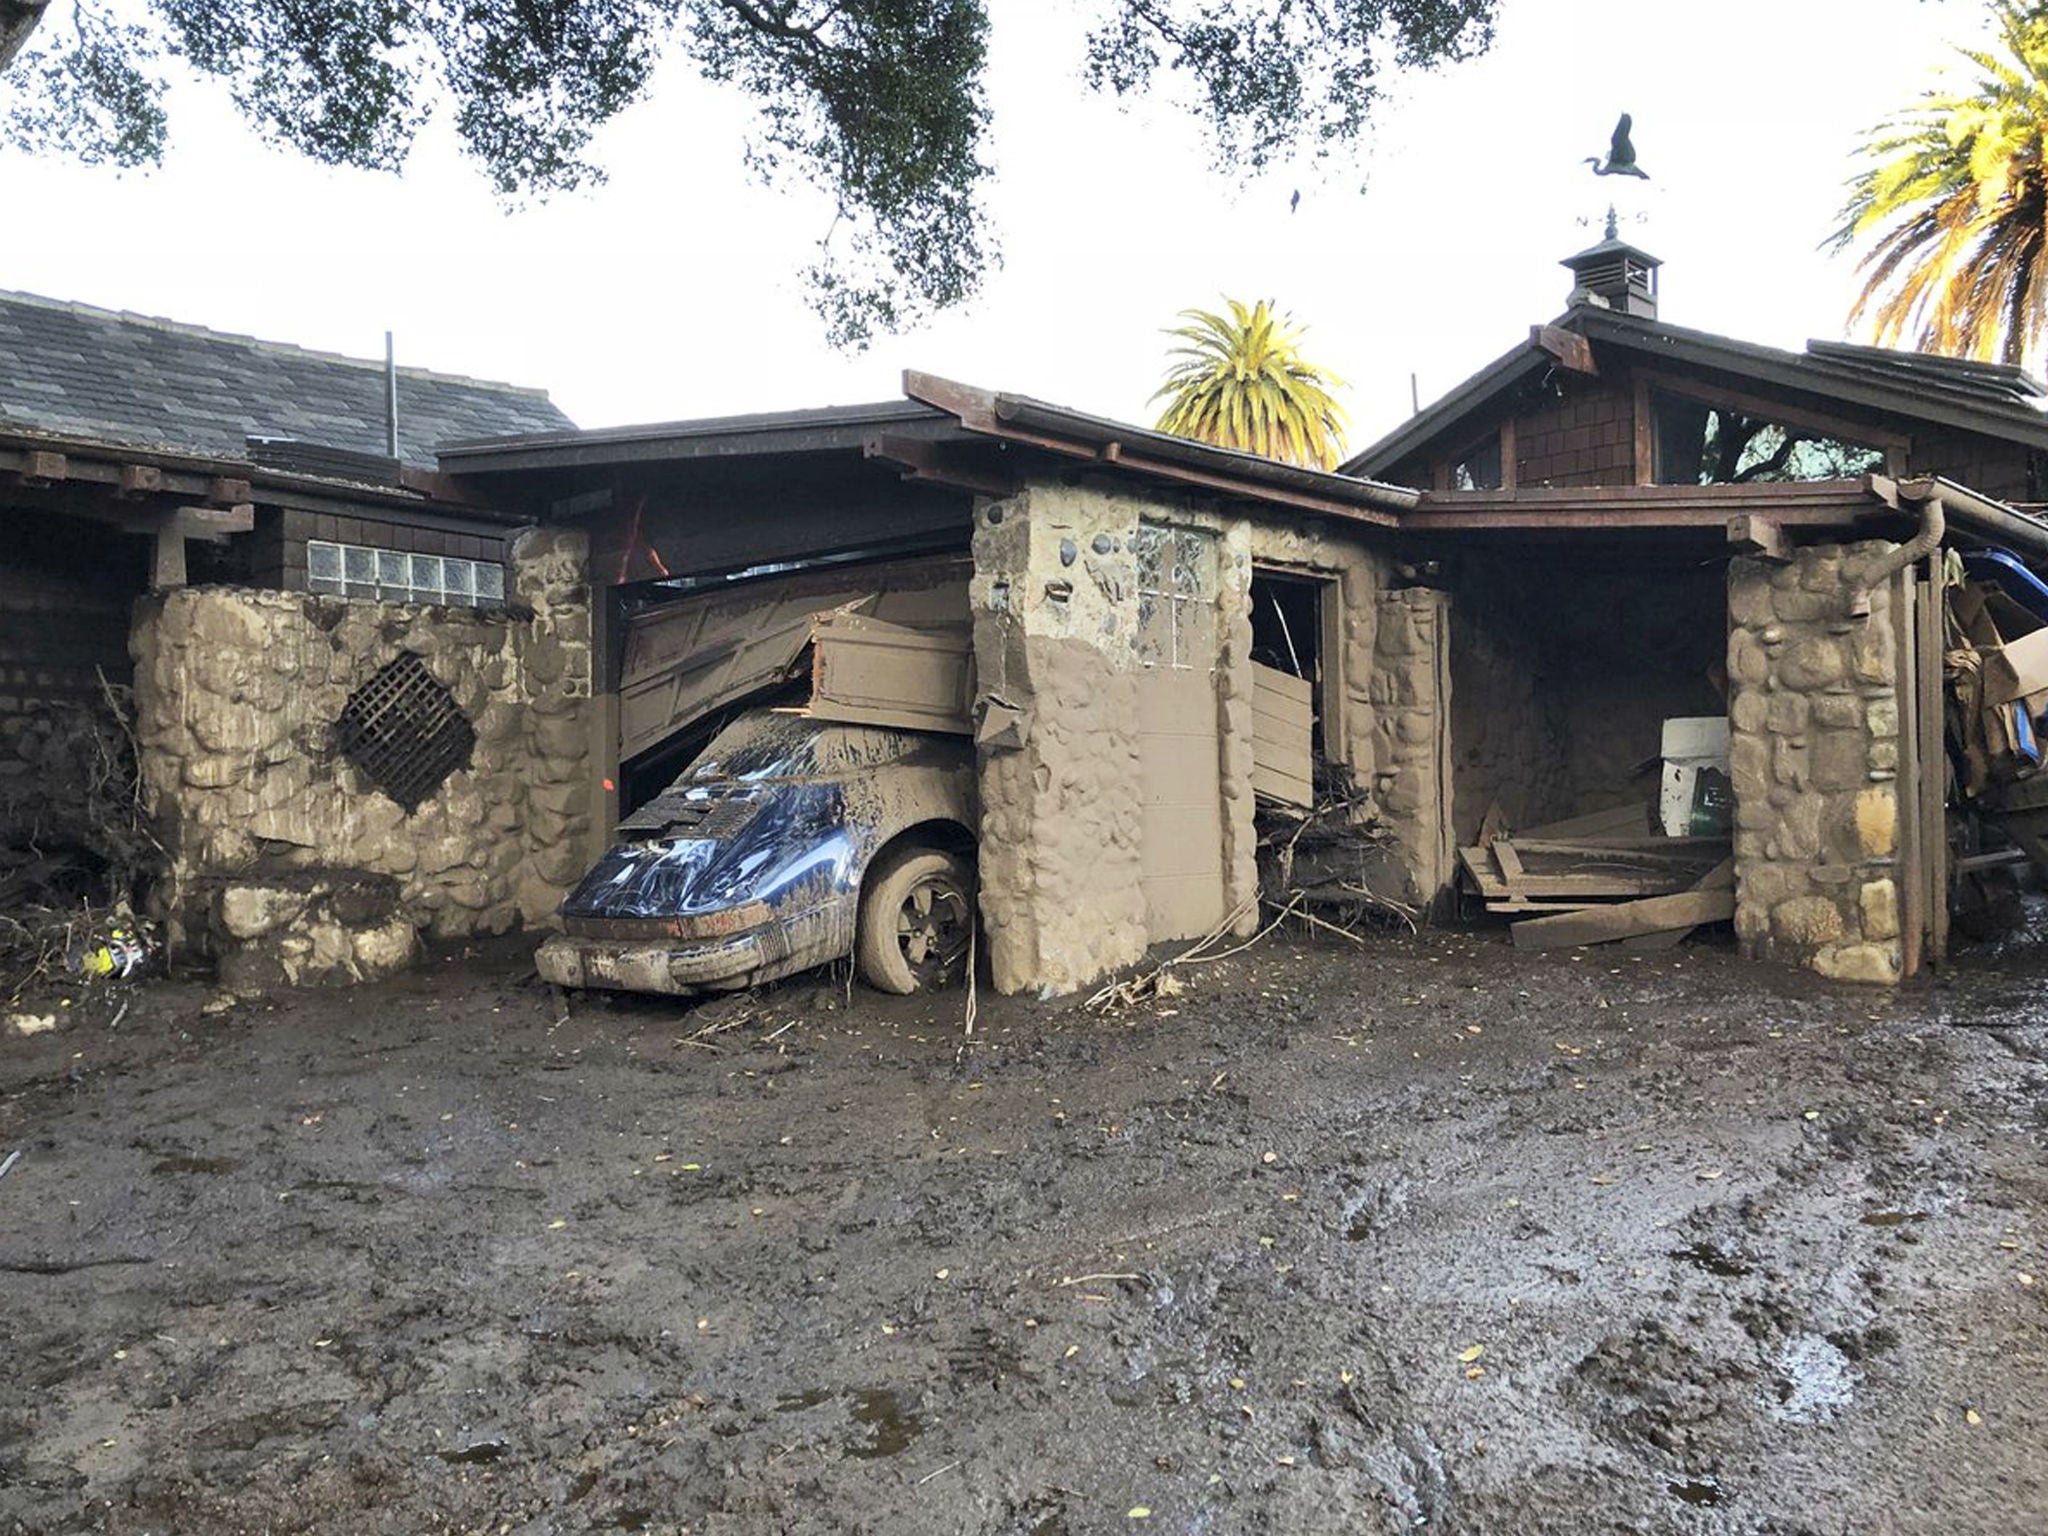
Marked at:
<point>323,560</point>
<point>426,578</point>
<point>460,578</point>
<point>360,564</point>
<point>322,583</point>
<point>490,582</point>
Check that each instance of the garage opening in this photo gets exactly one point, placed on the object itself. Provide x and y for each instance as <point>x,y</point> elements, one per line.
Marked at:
<point>1588,725</point>
<point>698,653</point>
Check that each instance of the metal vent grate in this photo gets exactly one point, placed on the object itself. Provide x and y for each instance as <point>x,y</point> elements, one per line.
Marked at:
<point>404,730</point>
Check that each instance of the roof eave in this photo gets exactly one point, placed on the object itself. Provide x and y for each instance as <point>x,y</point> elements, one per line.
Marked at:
<point>829,429</point>
<point>1122,447</point>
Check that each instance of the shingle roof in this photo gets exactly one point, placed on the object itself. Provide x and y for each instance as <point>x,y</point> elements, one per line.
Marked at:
<point>128,378</point>
<point>1990,398</point>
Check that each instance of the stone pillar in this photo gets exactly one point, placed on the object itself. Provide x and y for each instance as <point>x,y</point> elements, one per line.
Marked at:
<point>551,582</point>
<point>1409,689</point>
<point>1234,694</point>
<point>1054,598</point>
<point>1814,722</point>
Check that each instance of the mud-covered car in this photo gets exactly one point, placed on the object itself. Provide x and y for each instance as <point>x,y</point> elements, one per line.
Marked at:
<point>788,843</point>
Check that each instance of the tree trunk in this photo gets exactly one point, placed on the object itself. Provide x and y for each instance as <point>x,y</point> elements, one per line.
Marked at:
<point>18,18</point>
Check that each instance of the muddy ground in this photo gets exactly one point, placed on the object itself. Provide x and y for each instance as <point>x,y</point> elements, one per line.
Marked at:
<point>1432,1234</point>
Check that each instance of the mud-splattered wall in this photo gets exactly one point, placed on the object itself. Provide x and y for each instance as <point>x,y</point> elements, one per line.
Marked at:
<point>1054,597</point>
<point>1057,619</point>
<point>1814,717</point>
<point>238,693</point>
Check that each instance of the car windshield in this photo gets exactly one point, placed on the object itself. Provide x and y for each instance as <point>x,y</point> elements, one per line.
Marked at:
<point>764,744</point>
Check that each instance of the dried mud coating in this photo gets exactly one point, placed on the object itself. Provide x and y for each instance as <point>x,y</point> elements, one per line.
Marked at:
<point>431,1256</point>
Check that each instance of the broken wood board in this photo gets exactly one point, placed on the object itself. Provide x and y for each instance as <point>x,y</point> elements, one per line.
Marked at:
<point>1617,821</point>
<point>865,671</point>
<point>1283,726</point>
<point>687,658</point>
<point>1626,920</point>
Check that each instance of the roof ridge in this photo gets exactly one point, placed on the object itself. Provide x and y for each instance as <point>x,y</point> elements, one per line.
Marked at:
<point>258,343</point>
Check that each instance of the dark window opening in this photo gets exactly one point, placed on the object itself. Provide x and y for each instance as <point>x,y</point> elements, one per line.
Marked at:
<point>1701,444</point>
<point>1479,469</point>
<point>405,732</point>
<point>1287,633</point>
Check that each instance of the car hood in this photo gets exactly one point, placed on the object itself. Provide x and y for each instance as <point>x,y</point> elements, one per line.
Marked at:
<point>780,844</point>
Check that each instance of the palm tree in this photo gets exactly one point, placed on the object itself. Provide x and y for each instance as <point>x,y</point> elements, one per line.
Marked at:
<point>1240,382</point>
<point>1956,197</point>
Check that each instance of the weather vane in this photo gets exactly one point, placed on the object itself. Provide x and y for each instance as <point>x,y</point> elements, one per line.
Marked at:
<point>1621,154</point>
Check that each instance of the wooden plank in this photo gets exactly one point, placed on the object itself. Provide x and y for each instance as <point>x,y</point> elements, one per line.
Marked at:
<point>1510,862</point>
<point>1643,441</point>
<point>1620,818</point>
<point>1283,729</point>
<point>1910,889</point>
<point>1587,886</point>
<point>868,672</point>
<point>1933,702</point>
<point>1620,853</point>
<point>1600,925</point>
<point>1279,787</point>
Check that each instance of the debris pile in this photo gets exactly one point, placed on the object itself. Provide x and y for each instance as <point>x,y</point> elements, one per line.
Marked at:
<point>75,847</point>
<point>1332,862</point>
<point>1600,878</point>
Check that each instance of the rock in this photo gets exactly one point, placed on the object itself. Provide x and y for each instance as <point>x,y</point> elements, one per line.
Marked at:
<point>32,1023</point>
<point>1806,922</point>
<point>1873,964</point>
<point>1877,821</point>
<point>250,911</point>
<point>1880,902</point>
<point>385,950</point>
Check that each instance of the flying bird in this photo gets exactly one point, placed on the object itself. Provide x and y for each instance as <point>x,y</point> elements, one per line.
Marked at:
<point>1294,202</point>
<point>1621,154</point>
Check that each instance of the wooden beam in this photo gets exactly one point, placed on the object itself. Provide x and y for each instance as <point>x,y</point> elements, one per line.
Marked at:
<point>939,464</point>
<point>1626,920</point>
<point>1644,432</point>
<point>1761,536</point>
<point>1573,352</point>
<point>139,480</point>
<point>167,569</point>
<point>214,522</point>
<point>227,492</point>
<point>40,468</point>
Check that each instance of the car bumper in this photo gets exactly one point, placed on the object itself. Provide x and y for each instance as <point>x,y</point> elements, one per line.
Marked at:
<point>651,966</point>
<point>684,967</point>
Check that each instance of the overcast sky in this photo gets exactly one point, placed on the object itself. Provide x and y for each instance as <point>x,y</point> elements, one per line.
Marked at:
<point>673,291</point>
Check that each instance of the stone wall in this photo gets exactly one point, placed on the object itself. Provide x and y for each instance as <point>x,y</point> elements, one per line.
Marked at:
<point>237,694</point>
<point>1814,716</point>
<point>1408,682</point>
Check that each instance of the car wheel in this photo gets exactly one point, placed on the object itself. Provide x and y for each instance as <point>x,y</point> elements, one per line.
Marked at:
<point>916,921</point>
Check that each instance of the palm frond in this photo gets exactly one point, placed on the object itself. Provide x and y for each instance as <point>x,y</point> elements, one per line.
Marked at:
<point>1953,205</point>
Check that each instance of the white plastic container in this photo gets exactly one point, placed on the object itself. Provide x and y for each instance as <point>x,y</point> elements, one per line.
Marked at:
<point>1696,798</point>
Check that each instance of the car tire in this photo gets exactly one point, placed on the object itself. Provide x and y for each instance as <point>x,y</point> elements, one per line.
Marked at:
<point>916,921</point>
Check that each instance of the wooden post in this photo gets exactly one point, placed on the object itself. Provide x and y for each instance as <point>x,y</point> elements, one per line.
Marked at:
<point>606,642</point>
<point>167,570</point>
<point>1909,877</point>
<point>1931,661</point>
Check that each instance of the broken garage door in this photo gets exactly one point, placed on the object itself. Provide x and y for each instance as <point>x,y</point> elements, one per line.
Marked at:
<point>711,648</point>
